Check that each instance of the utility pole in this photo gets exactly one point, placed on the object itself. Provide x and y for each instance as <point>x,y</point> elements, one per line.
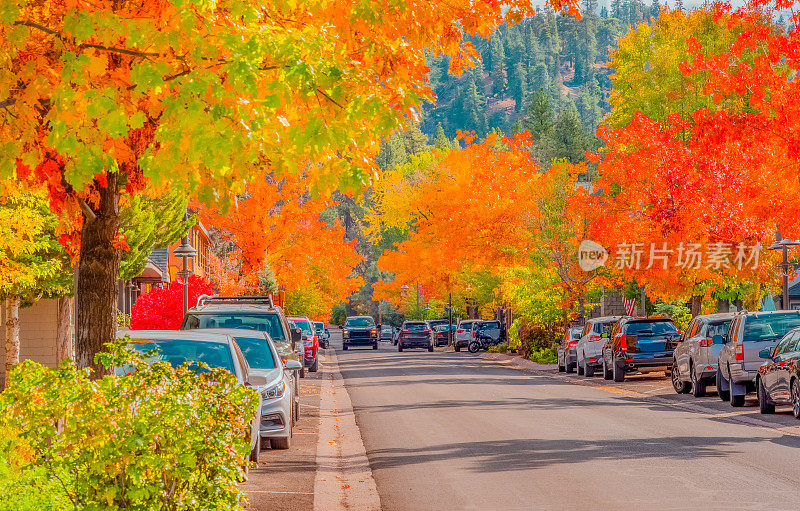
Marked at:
<point>450,318</point>
<point>419,316</point>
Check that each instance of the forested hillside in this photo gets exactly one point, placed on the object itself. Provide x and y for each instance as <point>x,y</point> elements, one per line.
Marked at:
<point>564,57</point>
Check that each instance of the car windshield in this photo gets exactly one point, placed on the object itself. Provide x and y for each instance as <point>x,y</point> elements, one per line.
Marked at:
<point>490,325</point>
<point>266,322</point>
<point>359,322</point>
<point>465,326</point>
<point>769,327</point>
<point>651,327</point>
<point>256,352</point>
<point>304,326</point>
<point>386,329</point>
<point>416,327</point>
<point>575,333</point>
<point>319,326</point>
<point>181,351</point>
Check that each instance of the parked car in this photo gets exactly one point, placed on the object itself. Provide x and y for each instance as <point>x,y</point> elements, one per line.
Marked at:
<point>387,333</point>
<point>249,313</point>
<point>280,396</point>
<point>748,335</point>
<point>440,334</point>
<point>639,344</point>
<point>464,333</point>
<point>778,379</point>
<point>310,342</point>
<point>695,358</point>
<point>490,328</point>
<point>415,334</point>
<point>589,348</point>
<point>359,331</point>
<point>214,349</point>
<point>434,325</point>
<point>566,356</point>
<point>322,334</point>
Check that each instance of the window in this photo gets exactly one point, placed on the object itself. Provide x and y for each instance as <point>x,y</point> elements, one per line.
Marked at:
<point>178,352</point>
<point>651,327</point>
<point>691,330</point>
<point>769,326</point>
<point>256,352</point>
<point>269,323</point>
<point>416,327</point>
<point>359,322</point>
<point>718,331</point>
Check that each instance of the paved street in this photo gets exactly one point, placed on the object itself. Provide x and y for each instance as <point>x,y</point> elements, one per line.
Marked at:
<point>448,430</point>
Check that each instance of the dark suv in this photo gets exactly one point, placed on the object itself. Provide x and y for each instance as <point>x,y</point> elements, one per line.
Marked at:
<point>415,334</point>
<point>638,344</point>
<point>359,331</point>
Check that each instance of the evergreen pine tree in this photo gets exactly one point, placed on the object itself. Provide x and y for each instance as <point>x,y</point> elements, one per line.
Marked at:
<point>499,73</point>
<point>474,109</point>
<point>569,138</point>
<point>441,141</point>
<point>540,116</point>
<point>397,151</point>
<point>519,88</point>
<point>416,141</point>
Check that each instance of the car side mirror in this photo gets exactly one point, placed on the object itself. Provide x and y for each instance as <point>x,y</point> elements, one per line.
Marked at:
<point>766,354</point>
<point>297,335</point>
<point>256,381</point>
<point>292,365</point>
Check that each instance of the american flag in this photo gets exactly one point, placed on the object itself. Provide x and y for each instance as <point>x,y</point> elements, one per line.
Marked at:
<point>630,305</point>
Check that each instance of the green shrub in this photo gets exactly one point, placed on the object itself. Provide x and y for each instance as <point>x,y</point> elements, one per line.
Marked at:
<point>157,438</point>
<point>544,355</point>
<point>679,313</point>
<point>499,348</point>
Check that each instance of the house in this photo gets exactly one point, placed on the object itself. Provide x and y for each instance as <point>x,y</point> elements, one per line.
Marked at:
<point>163,267</point>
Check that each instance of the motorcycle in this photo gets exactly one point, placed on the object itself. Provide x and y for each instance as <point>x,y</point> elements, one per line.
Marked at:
<point>481,342</point>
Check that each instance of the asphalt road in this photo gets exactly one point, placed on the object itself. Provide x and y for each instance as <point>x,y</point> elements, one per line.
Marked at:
<point>449,431</point>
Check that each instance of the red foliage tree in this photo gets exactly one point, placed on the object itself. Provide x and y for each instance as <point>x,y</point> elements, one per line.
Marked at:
<point>162,308</point>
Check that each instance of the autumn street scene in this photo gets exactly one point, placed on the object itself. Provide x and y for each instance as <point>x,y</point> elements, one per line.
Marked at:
<point>409,255</point>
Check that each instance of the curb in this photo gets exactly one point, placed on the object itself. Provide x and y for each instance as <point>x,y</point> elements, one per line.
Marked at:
<point>519,363</point>
<point>344,478</point>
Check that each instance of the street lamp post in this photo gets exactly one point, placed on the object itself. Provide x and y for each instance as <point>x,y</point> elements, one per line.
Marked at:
<point>784,244</point>
<point>185,251</point>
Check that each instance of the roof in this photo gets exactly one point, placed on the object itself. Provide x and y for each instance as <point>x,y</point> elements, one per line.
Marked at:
<point>299,318</point>
<point>233,332</point>
<point>188,335</point>
<point>235,307</point>
<point>604,319</point>
<point>719,315</point>
<point>160,256</point>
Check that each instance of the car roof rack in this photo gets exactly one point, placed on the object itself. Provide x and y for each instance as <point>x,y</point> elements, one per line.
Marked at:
<point>256,300</point>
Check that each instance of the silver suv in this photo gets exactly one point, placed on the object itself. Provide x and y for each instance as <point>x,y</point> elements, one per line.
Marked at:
<point>695,358</point>
<point>749,333</point>
<point>589,350</point>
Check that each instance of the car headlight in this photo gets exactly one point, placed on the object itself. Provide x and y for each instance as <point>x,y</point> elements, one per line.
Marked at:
<point>274,392</point>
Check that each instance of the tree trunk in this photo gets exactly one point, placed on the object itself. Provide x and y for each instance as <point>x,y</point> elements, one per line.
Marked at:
<point>98,270</point>
<point>723,306</point>
<point>11,306</point>
<point>697,301</point>
<point>64,349</point>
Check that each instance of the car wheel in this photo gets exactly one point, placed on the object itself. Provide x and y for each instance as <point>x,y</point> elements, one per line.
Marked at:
<point>255,454</point>
<point>764,405</point>
<point>698,385</point>
<point>458,348</point>
<point>796,398</point>
<point>314,366</point>
<point>344,347</point>
<point>567,366</point>
<point>681,387</point>
<point>430,348</point>
<point>375,346</point>
<point>588,370</point>
<point>579,366</point>
<point>302,370</point>
<point>619,371</point>
<point>560,365</point>
<point>281,443</point>
<point>400,346</point>
<point>720,382</point>
<point>473,347</point>
<point>737,401</point>
<point>607,374</point>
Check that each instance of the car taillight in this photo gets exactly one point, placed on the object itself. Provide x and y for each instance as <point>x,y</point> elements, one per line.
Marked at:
<point>705,342</point>
<point>594,338</point>
<point>460,331</point>
<point>473,335</point>
<point>427,331</point>
<point>572,344</point>
<point>623,343</point>
<point>405,330</point>
<point>738,352</point>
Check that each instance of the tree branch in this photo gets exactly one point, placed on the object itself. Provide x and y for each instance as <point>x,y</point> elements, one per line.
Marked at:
<point>38,27</point>
<point>124,51</point>
<point>87,211</point>
<point>329,98</point>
